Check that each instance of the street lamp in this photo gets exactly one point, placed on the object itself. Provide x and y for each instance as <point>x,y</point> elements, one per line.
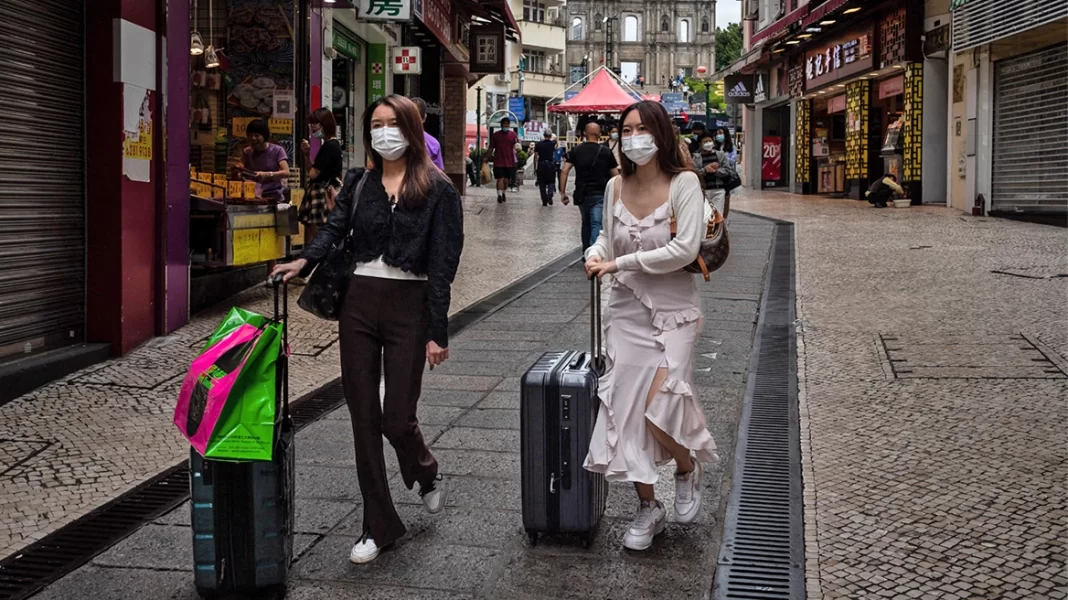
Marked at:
<point>478,132</point>
<point>608,41</point>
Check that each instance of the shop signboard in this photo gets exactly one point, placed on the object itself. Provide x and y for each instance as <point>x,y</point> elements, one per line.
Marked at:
<point>487,49</point>
<point>376,72</point>
<point>407,60</point>
<point>517,106</point>
<point>534,130</point>
<point>385,10</point>
<point>895,86</point>
<point>842,57</point>
<point>437,16</point>
<point>771,160</point>
<point>739,89</point>
<point>345,43</point>
<point>760,88</point>
<point>717,120</point>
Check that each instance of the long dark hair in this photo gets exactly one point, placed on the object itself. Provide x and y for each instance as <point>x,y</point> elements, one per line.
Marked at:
<point>420,174</point>
<point>324,117</point>
<point>656,120</point>
<point>728,141</point>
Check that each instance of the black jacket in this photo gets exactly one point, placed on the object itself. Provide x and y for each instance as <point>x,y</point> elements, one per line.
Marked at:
<point>425,240</point>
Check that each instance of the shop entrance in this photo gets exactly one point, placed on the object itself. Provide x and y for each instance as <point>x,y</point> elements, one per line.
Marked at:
<point>775,154</point>
<point>829,144</point>
<point>347,98</point>
<point>42,207</point>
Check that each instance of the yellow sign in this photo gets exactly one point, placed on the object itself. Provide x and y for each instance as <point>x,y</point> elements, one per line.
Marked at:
<point>239,129</point>
<point>139,147</point>
<point>252,246</point>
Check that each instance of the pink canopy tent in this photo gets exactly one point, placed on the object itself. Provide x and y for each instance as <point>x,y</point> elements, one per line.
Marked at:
<point>602,94</point>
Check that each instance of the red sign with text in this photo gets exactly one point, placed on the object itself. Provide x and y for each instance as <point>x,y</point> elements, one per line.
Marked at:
<point>771,159</point>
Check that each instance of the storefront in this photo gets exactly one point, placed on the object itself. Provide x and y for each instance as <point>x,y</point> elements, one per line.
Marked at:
<point>344,93</point>
<point>860,115</point>
<point>42,207</point>
<point>234,226</point>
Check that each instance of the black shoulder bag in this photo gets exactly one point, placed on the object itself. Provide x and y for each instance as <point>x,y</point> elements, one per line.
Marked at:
<point>324,293</point>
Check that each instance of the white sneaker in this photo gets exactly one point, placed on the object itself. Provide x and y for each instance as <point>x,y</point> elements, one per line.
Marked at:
<point>647,524</point>
<point>433,495</point>
<point>364,551</point>
<point>688,495</point>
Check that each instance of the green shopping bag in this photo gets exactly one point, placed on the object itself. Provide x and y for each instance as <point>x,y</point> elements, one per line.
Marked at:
<point>245,428</point>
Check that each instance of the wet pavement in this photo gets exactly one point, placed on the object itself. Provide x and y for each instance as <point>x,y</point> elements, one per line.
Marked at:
<point>75,444</point>
<point>476,548</point>
<point>934,400</point>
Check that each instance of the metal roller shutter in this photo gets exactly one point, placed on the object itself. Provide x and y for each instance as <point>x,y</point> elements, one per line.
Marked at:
<point>42,173</point>
<point>1030,171</point>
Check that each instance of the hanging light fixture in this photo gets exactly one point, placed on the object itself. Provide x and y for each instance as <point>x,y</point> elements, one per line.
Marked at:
<point>211,58</point>
<point>196,44</point>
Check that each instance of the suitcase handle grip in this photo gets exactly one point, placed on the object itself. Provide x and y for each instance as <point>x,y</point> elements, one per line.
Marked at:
<point>595,325</point>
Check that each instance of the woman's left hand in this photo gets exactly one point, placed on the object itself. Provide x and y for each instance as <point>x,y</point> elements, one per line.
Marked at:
<point>599,270</point>
<point>435,354</point>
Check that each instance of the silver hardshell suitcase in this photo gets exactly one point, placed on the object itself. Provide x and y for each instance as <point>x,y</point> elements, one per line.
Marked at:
<point>559,408</point>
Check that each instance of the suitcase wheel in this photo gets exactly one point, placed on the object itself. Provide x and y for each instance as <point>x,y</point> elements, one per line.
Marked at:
<point>532,537</point>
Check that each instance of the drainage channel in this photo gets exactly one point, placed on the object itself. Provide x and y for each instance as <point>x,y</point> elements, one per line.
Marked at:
<point>40,564</point>
<point>762,555</point>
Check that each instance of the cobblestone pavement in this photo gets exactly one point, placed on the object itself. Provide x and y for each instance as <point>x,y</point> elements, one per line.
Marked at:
<point>469,411</point>
<point>933,399</point>
<point>69,447</point>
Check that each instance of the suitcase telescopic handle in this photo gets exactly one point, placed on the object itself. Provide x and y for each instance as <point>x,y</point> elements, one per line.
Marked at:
<point>595,323</point>
<point>281,292</point>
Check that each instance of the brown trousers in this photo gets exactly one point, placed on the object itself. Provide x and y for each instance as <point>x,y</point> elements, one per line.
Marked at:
<point>383,323</point>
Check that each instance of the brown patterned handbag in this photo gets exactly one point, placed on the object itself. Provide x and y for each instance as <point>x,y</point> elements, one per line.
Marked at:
<point>714,248</point>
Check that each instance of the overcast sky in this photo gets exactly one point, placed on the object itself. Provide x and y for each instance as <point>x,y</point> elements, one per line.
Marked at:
<point>728,11</point>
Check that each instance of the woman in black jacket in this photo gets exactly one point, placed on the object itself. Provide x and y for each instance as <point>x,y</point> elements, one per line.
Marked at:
<point>407,235</point>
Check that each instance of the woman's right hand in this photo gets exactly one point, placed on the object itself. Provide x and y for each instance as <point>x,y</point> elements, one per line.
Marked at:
<point>590,262</point>
<point>289,270</point>
<point>305,147</point>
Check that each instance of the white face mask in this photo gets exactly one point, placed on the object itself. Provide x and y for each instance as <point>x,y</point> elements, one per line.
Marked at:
<point>389,142</point>
<point>640,148</point>
<point>708,146</point>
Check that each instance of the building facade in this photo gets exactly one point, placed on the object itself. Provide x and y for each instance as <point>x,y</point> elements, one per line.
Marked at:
<point>656,40</point>
<point>535,73</point>
<point>1008,126</point>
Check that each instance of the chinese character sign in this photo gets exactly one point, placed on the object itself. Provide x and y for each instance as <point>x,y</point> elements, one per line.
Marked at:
<point>406,60</point>
<point>385,10</point>
<point>376,72</point>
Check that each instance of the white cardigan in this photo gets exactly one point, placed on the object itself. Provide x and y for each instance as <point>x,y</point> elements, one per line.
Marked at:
<point>691,213</point>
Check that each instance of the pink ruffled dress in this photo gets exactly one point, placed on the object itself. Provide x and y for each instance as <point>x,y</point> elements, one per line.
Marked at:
<point>652,321</point>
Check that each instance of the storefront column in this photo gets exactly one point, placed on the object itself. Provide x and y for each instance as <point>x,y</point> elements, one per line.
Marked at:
<point>175,293</point>
<point>454,126</point>
<point>802,146</point>
<point>858,101</point>
<point>123,238</point>
<point>912,171</point>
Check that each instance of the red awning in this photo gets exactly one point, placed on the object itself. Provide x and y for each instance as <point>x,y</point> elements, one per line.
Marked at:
<point>787,20</point>
<point>601,94</point>
<point>822,11</point>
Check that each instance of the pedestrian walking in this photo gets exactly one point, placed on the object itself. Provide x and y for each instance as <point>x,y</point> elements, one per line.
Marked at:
<point>406,228</point>
<point>594,165</point>
<point>472,171</point>
<point>613,142</point>
<point>502,147</point>
<point>650,414</point>
<point>545,168</point>
<point>725,144</point>
<point>433,146</point>
<point>324,175</point>
<point>706,163</point>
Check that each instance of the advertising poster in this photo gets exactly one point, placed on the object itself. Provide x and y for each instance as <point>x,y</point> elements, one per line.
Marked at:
<point>376,72</point>
<point>771,161</point>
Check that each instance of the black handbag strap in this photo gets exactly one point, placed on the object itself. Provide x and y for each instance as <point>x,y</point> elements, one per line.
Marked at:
<point>356,200</point>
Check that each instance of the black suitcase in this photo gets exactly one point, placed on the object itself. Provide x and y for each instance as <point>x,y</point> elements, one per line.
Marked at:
<point>559,408</point>
<point>242,512</point>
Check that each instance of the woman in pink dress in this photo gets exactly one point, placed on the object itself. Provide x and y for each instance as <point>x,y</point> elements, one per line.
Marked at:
<point>649,414</point>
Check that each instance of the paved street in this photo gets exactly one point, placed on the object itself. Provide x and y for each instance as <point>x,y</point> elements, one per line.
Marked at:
<point>469,410</point>
<point>933,400</point>
<point>75,444</point>
<point>932,376</point>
